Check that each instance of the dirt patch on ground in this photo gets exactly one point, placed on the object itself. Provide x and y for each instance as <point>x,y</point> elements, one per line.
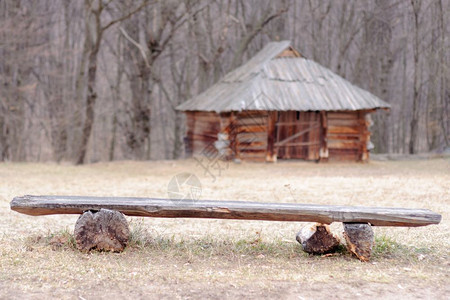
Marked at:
<point>190,258</point>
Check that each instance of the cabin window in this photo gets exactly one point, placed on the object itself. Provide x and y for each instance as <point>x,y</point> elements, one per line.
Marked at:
<point>297,115</point>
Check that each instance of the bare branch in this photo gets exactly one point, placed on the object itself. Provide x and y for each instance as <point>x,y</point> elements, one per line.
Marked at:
<point>141,48</point>
<point>126,16</point>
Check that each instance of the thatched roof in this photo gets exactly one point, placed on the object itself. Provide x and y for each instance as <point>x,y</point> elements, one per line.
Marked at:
<point>268,82</point>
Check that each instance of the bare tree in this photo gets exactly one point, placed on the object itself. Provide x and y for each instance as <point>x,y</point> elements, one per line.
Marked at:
<point>94,31</point>
<point>253,28</point>
<point>415,4</point>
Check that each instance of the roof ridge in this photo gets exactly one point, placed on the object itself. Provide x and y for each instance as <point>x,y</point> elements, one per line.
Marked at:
<point>257,62</point>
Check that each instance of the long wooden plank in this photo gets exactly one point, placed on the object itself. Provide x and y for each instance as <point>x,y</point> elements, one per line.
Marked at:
<point>342,115</point>
<point>167,208</point>
<point>337,144</point>
<point>314,143</point>
<point>346,122</point>
<point>293,123</point>
<point>343,129</point>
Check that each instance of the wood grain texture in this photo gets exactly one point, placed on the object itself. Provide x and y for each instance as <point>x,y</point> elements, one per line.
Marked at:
<point>167,208</point>
<point>360,239</point>
<point>317,239</point>
<point>105,230</point>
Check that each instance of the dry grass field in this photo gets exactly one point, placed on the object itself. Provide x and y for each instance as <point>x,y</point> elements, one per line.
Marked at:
<point>197,258</point>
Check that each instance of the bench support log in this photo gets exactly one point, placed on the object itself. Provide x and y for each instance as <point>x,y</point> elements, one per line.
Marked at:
<point>360,239</point>
<point>104,230</point>
<point>317,239</point>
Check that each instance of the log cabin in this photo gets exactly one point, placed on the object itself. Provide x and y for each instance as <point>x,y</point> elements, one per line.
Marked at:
<point>281,105</point>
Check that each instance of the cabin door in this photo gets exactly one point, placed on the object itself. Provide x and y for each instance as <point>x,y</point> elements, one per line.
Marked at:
<point>298,135</point>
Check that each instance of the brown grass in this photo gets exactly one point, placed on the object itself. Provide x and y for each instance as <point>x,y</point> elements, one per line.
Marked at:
<point>190,258</point>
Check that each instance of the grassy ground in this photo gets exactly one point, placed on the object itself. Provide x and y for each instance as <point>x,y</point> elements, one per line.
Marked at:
<point>190,258</point>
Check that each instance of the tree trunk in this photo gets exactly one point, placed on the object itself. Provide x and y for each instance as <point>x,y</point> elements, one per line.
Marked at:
<point>444,71</point>
<point>93,38</point>
<point>414,125</point>
<point>105,230</point>
<point>178,135</point>
<point>90,50</point>
<point>137,127</point>
<point>90,105</point>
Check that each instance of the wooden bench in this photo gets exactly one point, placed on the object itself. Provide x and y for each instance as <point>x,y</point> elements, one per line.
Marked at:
<point>98,210</point>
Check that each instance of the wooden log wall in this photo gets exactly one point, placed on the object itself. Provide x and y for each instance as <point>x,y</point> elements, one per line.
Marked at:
<point>246,133</point>
<point>202,130</point>
<point>347,136</point>
<point>249,134</point>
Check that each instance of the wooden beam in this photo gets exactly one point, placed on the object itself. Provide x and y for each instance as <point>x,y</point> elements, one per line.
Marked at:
<point>271,155</point>
<point>364,136</point>
<point>323,151</point>
<point>293,123</point>
<point>296,135</point>
<point>303,144</point>
<point>189,138</point>
<point>232,136</point>
<point>167,208</point>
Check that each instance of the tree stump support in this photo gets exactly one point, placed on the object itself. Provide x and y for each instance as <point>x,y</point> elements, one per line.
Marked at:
<point>103,230</point>
<point>360,239</point>
<point>317,239</point>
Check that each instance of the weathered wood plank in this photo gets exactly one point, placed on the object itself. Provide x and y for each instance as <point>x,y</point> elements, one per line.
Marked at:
<point>343,129</point>
<point>252,136</point>
<point>252,128</point>
<point>343,115</point>
<point>167,208</point>
<point>343,154</point>
<point>323,150</point>
<point>256,120</point>
<point>254,156</point>
<point>251,113</point>
<point>271,154</point>
<point>343,136</point>
<point>346,122</point>
<point>206,114</point>
<point>253,151</point>
<point>201,127</point>
<point>293,123</point>
<point>337,144</point>
<point>296,135</point>
<point>315,143</point>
